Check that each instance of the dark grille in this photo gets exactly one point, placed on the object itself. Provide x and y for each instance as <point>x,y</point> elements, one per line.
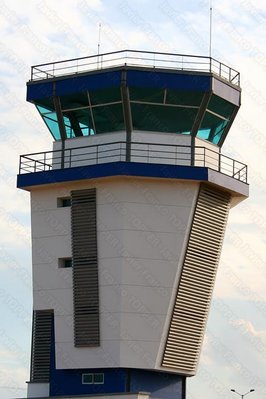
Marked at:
<point>85,268</point>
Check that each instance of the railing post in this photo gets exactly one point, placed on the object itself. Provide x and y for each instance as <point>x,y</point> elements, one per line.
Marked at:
<point>192,152</point>
<point>63,155</point>
<point>35,165</point>
<point>97,153</point>
<point>70,157</point>
<point>233,168</point>
<point>20,160</point>
<point>44,161</point>
<point>219,162</point>
<point>127,114</point>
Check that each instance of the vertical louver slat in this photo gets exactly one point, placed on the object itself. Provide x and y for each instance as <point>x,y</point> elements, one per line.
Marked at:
<point>85,268</point>
<point>193,297</point>
<point>41,345</point>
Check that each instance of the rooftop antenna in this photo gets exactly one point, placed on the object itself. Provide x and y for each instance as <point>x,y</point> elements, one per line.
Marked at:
<point>210,43</point>
<point>99,43</point>
<point>99,37</point>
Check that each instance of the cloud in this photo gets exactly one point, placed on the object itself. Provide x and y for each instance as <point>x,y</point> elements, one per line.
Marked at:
<point>232,357</point>
<point>249,329</point>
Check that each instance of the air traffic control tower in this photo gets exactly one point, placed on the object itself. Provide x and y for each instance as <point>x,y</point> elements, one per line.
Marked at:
<point>129,210</point>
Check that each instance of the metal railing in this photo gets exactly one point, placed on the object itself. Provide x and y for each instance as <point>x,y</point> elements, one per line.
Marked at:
<point>166,154</point>
<point>149,59</point>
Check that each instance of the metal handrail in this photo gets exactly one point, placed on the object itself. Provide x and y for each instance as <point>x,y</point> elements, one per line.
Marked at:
<point>184,62</point>
<point>140,152</point>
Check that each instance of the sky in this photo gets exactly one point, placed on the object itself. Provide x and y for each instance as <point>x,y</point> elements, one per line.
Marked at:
<point>35,32</point>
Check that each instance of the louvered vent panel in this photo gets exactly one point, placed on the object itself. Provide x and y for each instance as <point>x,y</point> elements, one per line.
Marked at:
<point>41,345</point>
<point>85,268</point>
<point>190,311</point>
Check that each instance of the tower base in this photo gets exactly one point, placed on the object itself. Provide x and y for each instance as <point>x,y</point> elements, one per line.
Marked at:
<point>124,383</point>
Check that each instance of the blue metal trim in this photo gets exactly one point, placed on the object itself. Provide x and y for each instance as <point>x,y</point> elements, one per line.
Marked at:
<point>76,84</point>
<point>80,84</point>
<point>113,169</point>
<point>168,80</point>
<point>39,90</point>
<point>102,80</point>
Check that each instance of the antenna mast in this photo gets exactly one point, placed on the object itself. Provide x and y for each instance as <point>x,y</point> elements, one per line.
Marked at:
<point>210,43</point>
<point>99,44</point>
<point>99,38</point>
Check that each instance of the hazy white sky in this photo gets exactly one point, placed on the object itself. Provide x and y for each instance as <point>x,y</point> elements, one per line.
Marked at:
<point>33,32</point>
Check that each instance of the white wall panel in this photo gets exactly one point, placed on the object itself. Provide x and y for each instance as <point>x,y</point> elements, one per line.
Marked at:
<point>50,223</point>
<point>107,355</point>
<point>153,245</point>
<point>142,326</point>
<point>110,271</point>
<point>161,138</point>
<point>135,299</point>
<point>139,216</point>
<point>61,300</point>
<point>50,276</point>
<point>49,249</point>
<point>137,271</point>
<point>157,192</point>
<point>142,225</point>
<point>38,389</point>
<point>138,354</point>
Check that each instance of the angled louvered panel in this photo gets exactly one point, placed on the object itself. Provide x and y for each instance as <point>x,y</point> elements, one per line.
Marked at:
<point>193,297</point>
<point>85,267</point>
<point>41,345</point>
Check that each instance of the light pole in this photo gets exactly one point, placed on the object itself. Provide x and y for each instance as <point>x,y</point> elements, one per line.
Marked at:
<point>242,394</point>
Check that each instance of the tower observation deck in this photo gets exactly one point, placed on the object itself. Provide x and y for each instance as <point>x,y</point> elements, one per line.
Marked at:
<point>129,210</point>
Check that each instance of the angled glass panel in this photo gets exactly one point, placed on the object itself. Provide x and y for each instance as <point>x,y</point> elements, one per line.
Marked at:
<point>108,118</point>
<point>75,100</point>
<point>219,132</point>
<point>146,94</point>
<point>53,127</point>
<point>221,106</point>
<point>184,97</point>
<point>44,110</point>
<point>203,134</point>
<point>212,128</point>
<point>105,96</point>
<point>69,131</point>
<point>162,118</point>
<point>50,119</point>
<point>78,123</point>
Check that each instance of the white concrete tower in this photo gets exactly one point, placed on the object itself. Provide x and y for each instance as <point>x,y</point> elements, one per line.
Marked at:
<point>128,211</point>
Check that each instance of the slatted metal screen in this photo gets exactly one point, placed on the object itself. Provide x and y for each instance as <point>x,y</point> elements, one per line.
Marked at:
<point>85,268</point>
<point>194,293</point>
<point>41,345</point>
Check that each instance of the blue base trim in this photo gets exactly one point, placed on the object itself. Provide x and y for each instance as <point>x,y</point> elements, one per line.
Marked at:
<point>69,382</point>
<point>113,169</point>
<point>158,384</point>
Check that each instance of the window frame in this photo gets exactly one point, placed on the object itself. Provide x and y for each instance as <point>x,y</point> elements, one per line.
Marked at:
<point>62,262</point>
<point>93,375</point>
<point>85,375</point>
<point>64,202</point>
